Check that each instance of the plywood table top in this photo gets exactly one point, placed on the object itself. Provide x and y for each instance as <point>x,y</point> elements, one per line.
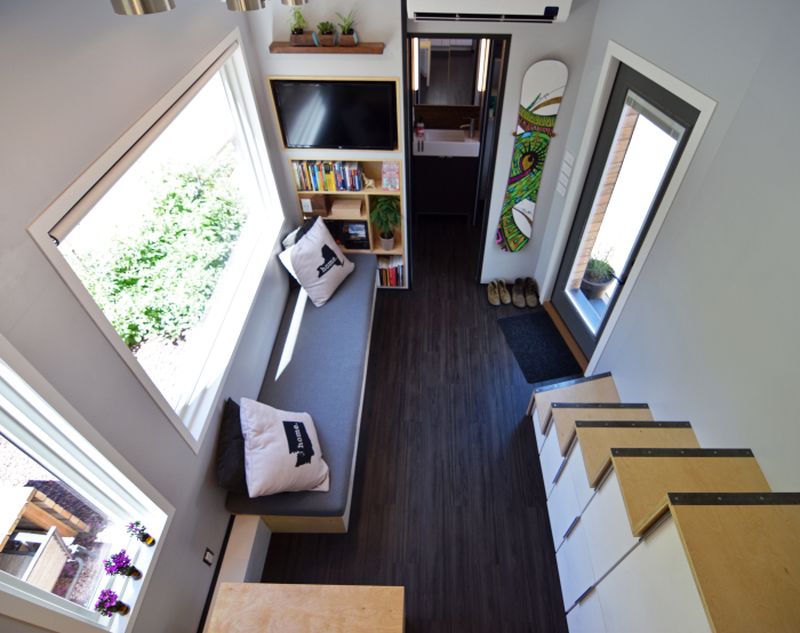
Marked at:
<point>744,552</point>
<point>646,476</point>
<point>277,608</point>
<point>566,414</point>
<point>597,438</point>
<point>600,389</point>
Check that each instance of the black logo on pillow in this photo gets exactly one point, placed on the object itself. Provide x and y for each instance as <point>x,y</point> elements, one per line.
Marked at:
<point>329,260</point>
<point>299,442</point>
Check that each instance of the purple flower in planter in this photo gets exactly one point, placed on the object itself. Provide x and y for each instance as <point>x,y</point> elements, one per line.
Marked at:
<point>119,563</point>
<point>136,529</point>
<point>106,602</point>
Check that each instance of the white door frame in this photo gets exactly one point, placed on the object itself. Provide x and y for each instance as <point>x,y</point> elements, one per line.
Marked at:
<point>616,54</point>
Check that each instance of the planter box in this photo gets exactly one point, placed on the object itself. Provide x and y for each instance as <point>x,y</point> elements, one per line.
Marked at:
<point>325,40</point>
<point>348,40</point>
<point>302,39</point>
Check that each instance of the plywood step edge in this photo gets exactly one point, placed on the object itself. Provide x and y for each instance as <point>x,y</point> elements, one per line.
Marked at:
<point>682,452</point>
<point>600,405</point>
<point>558,383</point>
<point>631,424</point>
<point>733,498</point>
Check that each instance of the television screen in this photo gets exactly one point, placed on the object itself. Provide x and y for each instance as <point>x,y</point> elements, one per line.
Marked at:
<point>337,114</point>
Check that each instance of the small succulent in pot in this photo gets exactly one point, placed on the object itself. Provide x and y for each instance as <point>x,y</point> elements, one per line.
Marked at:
<point>326,33</point>
<point>139,531</point>
<point>120,564</point>
<point>108,603</point>
<point>349,36</point>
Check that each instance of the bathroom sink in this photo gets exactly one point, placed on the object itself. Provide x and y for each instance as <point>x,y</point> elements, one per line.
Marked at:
<point>447,143</point>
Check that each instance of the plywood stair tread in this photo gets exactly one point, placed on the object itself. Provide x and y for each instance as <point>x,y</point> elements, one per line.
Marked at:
<point>599,388</point>
<point>565,414</point>
<point>598,437</point>
<point>647,475</point>
<point>744,552</point>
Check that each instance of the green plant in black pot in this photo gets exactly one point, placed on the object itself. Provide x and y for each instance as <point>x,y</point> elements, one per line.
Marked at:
<point>349,36</point>
<point>326,32</point>
<point>385,216</point>
<point>597,277</point>
<point>297,25</point>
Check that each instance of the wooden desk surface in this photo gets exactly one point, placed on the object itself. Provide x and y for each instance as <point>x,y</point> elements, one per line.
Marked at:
<point>646,480</point>
<point>745,558</point>
<point>274,608</point>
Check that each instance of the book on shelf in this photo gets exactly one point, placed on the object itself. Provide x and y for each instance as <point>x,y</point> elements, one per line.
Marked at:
<point>391,271</point>
<point>327,175</point>
<point>390,175</point>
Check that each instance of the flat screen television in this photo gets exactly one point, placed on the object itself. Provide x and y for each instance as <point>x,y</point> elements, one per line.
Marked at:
<point>337,114</point>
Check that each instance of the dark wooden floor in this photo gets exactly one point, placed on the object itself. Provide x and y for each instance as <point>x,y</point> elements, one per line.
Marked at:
<point>448,499</point>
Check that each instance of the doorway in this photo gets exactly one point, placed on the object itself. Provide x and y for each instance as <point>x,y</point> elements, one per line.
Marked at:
<point>642,137</point>
<point>455,88</point>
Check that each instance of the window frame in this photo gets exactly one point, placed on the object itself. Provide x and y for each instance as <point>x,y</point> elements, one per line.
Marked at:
<point>191,422</point>
<point>38,607</point>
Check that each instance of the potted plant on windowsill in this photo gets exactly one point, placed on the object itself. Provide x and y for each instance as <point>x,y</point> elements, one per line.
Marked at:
<point>325,35</point>
<point>349,37</point>
<point>108,603</point>
<point>120,564</point>
<point>385,215</point>
<point>597,277</point>
<point>297,24</point>
<point>139,531</point>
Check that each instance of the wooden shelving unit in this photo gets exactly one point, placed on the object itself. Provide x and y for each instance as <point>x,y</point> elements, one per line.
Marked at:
<point>363,48</point>
<point>370,169</point>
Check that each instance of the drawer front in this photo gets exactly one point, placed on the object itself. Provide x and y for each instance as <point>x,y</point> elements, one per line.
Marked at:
<point>586,617</point>
<point>652,589</point>
<point>551,460</point>
<point>562,506</point>
<point>537,429</point>
<point>576,472</point>
<point>575,569</point>
<point>608,530</point>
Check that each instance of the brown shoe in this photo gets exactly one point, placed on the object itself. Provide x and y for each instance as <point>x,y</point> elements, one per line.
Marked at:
<point>505,296</point>
<point>518,293</point>
<point>531,293</point>
<point>494,295</point>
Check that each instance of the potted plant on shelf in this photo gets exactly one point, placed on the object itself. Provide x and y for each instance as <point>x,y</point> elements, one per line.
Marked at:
<point>325,35</point>
<point>120,564</point>
<point>297,24</point>
<point>385,215</point>
<point>108,603</point>
<point>139,531</point>
<point>597,277</point>
<point>348,37</point>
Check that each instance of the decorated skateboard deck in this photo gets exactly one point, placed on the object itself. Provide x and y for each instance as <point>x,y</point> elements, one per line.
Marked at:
<point>542,89</point>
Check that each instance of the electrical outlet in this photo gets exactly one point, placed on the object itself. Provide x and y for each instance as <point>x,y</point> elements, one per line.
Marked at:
<point>208,557</point>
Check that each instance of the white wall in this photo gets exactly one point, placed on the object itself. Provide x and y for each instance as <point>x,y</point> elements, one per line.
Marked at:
<point>568,42</point>
<point>708,333</point>
<point>74,77</point>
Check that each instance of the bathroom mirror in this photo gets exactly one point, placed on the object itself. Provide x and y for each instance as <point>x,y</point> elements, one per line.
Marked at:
<point>448,69</point>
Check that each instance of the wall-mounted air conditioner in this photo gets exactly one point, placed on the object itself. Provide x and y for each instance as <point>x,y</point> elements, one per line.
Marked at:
<point>533,11</point>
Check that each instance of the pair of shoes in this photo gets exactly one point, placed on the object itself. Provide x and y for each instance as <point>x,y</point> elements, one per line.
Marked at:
<point>525,293</point>
<point>531,293</point>
<point>493,293</point>
<point>505,295</point>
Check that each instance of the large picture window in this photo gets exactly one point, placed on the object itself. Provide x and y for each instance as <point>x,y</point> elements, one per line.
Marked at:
<point>65,508</point>
<point>171,242</point>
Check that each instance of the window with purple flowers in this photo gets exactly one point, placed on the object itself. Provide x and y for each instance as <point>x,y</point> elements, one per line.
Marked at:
<point>72,525</point>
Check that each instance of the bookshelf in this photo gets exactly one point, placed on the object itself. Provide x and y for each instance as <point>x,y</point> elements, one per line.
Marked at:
<point>343,193</point>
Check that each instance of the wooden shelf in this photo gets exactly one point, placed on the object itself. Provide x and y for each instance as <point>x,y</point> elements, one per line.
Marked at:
<point>368,192</point>
<point>363,48</point>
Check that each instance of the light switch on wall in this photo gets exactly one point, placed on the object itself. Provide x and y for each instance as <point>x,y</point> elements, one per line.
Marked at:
<point>208,557</point>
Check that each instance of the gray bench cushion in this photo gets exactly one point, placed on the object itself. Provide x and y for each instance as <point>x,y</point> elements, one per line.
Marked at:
<point>323,376</point>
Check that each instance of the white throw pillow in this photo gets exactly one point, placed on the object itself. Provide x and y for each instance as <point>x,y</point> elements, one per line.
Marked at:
<point>281,451</point>
<point>319,265</point>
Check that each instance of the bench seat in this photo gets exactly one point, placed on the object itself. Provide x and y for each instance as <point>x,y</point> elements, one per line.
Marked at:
<point>319,365</point>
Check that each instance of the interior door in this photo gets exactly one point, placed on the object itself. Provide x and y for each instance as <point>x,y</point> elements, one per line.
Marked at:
<point>644,132</point>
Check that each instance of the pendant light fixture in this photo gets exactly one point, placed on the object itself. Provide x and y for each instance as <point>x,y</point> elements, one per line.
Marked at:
<point>245,5</point>
<point>142,7</point>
